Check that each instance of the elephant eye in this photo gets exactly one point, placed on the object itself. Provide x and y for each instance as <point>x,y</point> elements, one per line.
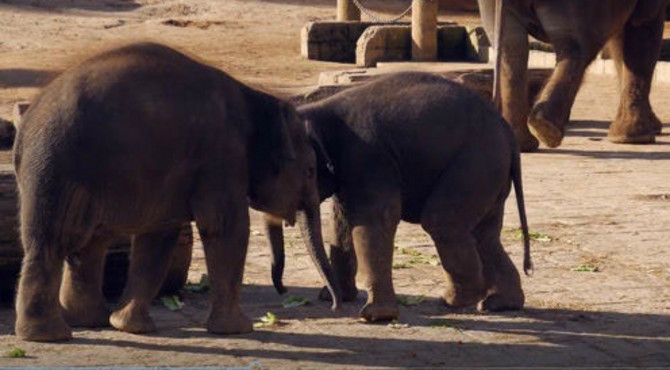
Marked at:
<point>310,172</point>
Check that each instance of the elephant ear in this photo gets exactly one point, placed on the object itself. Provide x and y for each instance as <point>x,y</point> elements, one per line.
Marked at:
<point>318,145</point>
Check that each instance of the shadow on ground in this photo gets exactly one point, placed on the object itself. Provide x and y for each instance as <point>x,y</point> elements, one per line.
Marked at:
<point>434,337</point>
<point>53,5</point>
<point>597,131</point>
<point>20,77</point>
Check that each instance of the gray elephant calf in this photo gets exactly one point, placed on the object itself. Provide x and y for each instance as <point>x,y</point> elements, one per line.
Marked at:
<point>420,148</point>
<point>139,140</point>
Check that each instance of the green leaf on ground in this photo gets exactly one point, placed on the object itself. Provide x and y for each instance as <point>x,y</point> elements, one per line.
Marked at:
<point>425,260</point>
<point>407,300</point>
<point>172,302</point>
<point>585,268</point>
<point>400,265</point>
<point>408,251</point>
<point>269,319</point>
<point>535,236</point>
<point>200,287</point>
<point>295,301</point>
<point>16,353</point>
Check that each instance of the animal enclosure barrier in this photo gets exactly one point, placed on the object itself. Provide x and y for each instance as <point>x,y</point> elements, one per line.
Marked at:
<point>383,39</point>
<point>424,24</point>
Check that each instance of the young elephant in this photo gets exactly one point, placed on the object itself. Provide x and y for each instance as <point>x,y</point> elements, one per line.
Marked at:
<point>139,140</point>
<point>419,148</point>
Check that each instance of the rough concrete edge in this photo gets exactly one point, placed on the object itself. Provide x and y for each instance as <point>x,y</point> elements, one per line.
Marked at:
<point>373,44</point>
<point>540,59</point>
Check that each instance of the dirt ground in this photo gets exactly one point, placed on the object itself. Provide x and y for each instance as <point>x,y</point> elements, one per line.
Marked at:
<point>600,214</point>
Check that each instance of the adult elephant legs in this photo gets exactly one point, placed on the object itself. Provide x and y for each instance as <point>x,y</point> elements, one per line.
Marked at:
<point>513,74</point>
<point>635,121</point>
<point>550,114</point>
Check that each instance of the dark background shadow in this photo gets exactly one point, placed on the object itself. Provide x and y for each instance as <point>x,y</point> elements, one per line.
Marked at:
<point>55,5</point>
<point>20,77</point>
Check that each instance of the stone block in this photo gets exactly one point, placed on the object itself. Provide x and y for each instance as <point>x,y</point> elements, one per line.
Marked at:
<point>331,41</point>
<point>384,43</point>
<point>392,43</point>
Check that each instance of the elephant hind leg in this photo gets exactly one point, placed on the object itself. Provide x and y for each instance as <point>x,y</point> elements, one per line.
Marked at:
<point>149,259</point>
<point>54,219</point>
<point>460,199</point>
<point>635,52</point>
<point>81,290</point>
<point>502,278</point>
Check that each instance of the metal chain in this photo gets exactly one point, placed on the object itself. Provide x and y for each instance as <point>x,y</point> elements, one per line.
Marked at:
<point>382,20</point>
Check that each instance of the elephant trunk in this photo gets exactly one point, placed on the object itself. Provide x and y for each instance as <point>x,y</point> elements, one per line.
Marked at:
<point>275,232</point>
<point>309,221</point>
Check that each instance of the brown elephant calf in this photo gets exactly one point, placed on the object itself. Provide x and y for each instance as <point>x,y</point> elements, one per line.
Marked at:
<point>419,148</point>
<point>139,140</point>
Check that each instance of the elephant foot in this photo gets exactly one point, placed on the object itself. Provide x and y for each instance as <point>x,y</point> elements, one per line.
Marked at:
<point>97,317</point>
<point>544,129</point>
<point>373,311</point>
<point>463,297</point>
<point>635,125</point>
<point>132,319</point>
<point>497,302</point>
<point>348,294</point>
<point>638,139</point>
<point>638,131</point>
<point>53,329</point>
<point>229,323</point>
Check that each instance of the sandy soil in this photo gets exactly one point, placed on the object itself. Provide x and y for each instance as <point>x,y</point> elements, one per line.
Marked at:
<point>592,205</point>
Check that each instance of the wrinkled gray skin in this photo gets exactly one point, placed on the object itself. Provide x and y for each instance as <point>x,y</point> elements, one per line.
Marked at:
<point>419,148</point>
<point>631,30</point>
<point>139,140</point>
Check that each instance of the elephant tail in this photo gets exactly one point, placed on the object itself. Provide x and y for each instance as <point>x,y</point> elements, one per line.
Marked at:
<point>518,190</point>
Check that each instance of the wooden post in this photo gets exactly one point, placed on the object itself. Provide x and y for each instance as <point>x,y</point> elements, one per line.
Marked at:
<point>424,30</point>
<point>347,11</point>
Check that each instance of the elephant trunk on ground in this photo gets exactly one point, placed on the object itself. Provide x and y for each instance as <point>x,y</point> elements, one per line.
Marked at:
<point>275,232</point>
<point>309,221</point>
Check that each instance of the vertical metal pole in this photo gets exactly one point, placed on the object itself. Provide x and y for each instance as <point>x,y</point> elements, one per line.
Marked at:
<point>347,11</point>
<point>424,30</point>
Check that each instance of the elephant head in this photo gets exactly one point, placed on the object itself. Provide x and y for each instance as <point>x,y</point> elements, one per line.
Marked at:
<point>326,186</point>
<point>289,170</point>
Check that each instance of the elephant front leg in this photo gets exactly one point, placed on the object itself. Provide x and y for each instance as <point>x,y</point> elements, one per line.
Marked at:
<point>342,257</point>
<point>225,237</point>
<point>635,52</point>
<point>81,290</point>
<point>373,233</point>
<point>550,114</point>
<point>514,82</point>
<point>149,259</point>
